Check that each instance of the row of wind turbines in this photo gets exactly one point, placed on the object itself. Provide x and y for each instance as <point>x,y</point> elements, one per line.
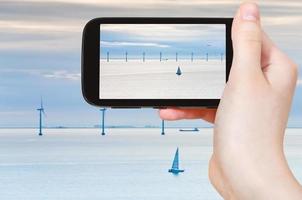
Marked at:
<point>43,114</point>
<point>175,165</point>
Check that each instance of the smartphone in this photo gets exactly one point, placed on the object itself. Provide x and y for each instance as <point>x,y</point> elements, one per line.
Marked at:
<point>156,62</point>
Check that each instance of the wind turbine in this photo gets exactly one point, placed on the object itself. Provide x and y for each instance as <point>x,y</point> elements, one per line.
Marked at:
<point>41,111</point>
<point>103,120</point>
<point>207,54</point>
<point>162,127</point>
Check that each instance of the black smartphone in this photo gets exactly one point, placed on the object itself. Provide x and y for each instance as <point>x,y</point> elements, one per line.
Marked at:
<point>156,62</point>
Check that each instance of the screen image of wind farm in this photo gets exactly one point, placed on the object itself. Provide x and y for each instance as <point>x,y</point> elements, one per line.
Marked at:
<point>162,61</point>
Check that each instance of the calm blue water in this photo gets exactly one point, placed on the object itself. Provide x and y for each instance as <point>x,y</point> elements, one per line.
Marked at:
<point>127,164</point>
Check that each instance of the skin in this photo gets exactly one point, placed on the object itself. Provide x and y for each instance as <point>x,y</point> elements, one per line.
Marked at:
<point>248,160</point>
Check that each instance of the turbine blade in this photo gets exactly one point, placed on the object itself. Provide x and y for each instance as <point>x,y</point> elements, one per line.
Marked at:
<point>41,103</point>
<point>44,113</point>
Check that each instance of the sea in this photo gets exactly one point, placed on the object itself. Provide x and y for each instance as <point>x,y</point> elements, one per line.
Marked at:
<point>156,79</point>
<point>125,164</point>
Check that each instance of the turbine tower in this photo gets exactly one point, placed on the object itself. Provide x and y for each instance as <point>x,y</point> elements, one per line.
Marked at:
<point>207,54</point>
<point>103,120</point>
<point>41,112</point>
<point>162,127</point>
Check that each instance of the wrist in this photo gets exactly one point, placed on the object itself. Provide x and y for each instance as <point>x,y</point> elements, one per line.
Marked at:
<point>259,176</point>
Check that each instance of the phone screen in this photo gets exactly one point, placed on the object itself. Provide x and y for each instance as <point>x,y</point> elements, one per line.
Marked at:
<point>162,61</point>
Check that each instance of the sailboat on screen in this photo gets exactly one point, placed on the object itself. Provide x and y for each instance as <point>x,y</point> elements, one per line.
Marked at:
<point>178,71</point>
<point>175,166</point>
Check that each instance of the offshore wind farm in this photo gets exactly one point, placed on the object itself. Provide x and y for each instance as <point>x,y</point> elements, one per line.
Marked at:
<point>127,156</point>
<point>104,161</point>
<point>126,163</point>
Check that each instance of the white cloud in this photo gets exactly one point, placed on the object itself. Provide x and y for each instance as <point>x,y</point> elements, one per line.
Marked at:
<point>146,44</point>
<point>52,74</point>
<point>282,20</point>
<point>14,113</point>
<point>46,45</point>
<point>136,3</point>
<point>38,26</point>
<point>299,82</point>
<point>63,74</point>
<point>63,20</point>
<point>39,36</point>
<point>168,32</point>
<point>23,70</point>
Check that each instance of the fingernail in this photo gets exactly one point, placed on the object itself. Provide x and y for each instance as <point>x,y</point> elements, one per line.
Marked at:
<point>249,12</point>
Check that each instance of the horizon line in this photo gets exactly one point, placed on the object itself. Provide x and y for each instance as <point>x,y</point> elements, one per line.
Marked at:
<point>109,127</point>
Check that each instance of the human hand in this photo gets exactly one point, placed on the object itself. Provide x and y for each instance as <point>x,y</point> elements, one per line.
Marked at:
<point>248,161</point>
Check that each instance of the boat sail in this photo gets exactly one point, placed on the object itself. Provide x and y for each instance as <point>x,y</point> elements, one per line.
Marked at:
<point>178,71</point>
<point>175,166</point>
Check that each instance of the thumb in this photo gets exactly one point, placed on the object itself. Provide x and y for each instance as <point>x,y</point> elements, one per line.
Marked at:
<point>246,38</point>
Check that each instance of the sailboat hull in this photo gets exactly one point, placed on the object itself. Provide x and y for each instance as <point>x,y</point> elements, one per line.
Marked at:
<point>176,171</point>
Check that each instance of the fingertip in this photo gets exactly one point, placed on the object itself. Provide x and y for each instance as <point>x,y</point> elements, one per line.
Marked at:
<point>246,18</point>
<point>249,11</point>
<point>172,114</point>
<point>167,114</point>
<point>161,113</point>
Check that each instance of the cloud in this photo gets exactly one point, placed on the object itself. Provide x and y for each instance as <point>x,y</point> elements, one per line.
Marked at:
<point>39,36</point>
<point>138,44</point>
<point>60,22</point>
<point>40,45</point>
<point>51,74</point>
<point>282,20</point>
<point>132,3</point>
<point>299,82</point>
<point>63,74</point>
<point>14,113</point>
<point>140,3</point>
<point>34,26</point>
<point>166,32</point>
<point>34,33</point>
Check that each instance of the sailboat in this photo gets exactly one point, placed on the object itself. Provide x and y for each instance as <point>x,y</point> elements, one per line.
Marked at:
<point>175,166</point>
<point>178,71</point>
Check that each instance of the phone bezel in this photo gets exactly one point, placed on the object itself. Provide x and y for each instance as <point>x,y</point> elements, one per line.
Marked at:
<point>91,65</point>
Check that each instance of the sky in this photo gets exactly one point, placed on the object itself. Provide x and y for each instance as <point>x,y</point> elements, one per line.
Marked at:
<point>153,39</point>
<point>40,50</point>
